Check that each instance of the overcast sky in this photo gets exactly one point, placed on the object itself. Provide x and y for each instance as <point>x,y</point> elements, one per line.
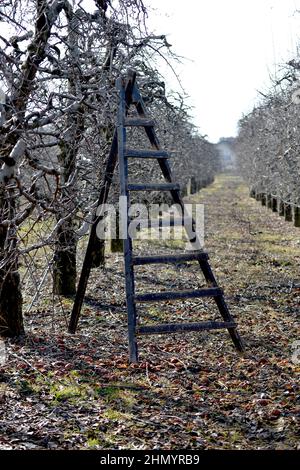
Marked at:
<point>231,47</point>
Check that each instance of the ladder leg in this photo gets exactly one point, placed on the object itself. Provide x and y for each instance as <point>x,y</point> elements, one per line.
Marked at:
<point>223,309</point>
<point>127,242</point>
<point>164,165</point>
<point>131,307</point>
<point>207,271</point>
<point>87,263</point>
<point>83,280</point>
<point>222,306</point>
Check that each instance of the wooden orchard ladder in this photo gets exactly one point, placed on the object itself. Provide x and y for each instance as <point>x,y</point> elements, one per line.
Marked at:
<point>129,94</point>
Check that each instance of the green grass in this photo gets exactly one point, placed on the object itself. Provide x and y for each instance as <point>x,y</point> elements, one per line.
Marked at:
<point>93,443</point>
<point>114,415</point>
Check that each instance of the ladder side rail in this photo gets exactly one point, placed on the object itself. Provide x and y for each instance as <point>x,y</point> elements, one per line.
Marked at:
<point>87,262</point>
<point>221,304</point>
<point>127,242</point>
<point>165,168</point>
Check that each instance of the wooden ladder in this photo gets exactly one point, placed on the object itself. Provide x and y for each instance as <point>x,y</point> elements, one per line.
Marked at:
<point>129,94</point>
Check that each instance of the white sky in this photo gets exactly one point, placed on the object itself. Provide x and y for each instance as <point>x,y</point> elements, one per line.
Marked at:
<point>232,46</point>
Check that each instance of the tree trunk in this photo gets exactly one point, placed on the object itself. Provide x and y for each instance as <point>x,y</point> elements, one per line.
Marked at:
<point>98,254</point>
<point>297,216</point>
<point>64,269</point>
<point>116,244</point>
<point>11,319</point>
<point>280,207</point>
<point>288,213</point>
<point>193,185</point>
<point>269,201</point>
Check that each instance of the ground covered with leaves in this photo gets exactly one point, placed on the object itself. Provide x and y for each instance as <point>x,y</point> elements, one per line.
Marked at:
<point>192,391</point>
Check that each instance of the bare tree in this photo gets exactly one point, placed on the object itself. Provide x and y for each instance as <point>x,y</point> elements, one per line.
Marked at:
<point>59,62</point>
<point>52,75</point>
<point>268,144</point>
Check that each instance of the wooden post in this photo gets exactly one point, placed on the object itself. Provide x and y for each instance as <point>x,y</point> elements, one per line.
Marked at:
<point>263,199</point>
<point>288,213</point>
<point>297,216</point>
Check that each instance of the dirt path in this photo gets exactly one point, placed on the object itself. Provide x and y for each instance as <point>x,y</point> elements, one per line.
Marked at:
<point>189,391</point>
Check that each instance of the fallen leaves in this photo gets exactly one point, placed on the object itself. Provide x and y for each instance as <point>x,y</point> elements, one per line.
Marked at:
<point>193,391</point>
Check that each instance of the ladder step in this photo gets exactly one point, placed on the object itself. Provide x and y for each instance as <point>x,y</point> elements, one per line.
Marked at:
<point>154,187</point>
<point>181,327</point>
<point>160,259</point>
<point>187,294</point>
<point>146,153</point>
<point>144,122</point>
<point>160,223</point>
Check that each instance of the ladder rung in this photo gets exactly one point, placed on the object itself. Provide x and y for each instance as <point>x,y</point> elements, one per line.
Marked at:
<point>154,187</point>
<point>160,259</point>
<point>144,122</point>
<point>146,153</point>
<point>181,327</point>
<point>157,223</point>
<point>187,294</point>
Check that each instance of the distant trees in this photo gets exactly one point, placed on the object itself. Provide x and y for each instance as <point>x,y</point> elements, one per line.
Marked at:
<point>268,142</point>
<point>58,65</point>
<point>225,147</point>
